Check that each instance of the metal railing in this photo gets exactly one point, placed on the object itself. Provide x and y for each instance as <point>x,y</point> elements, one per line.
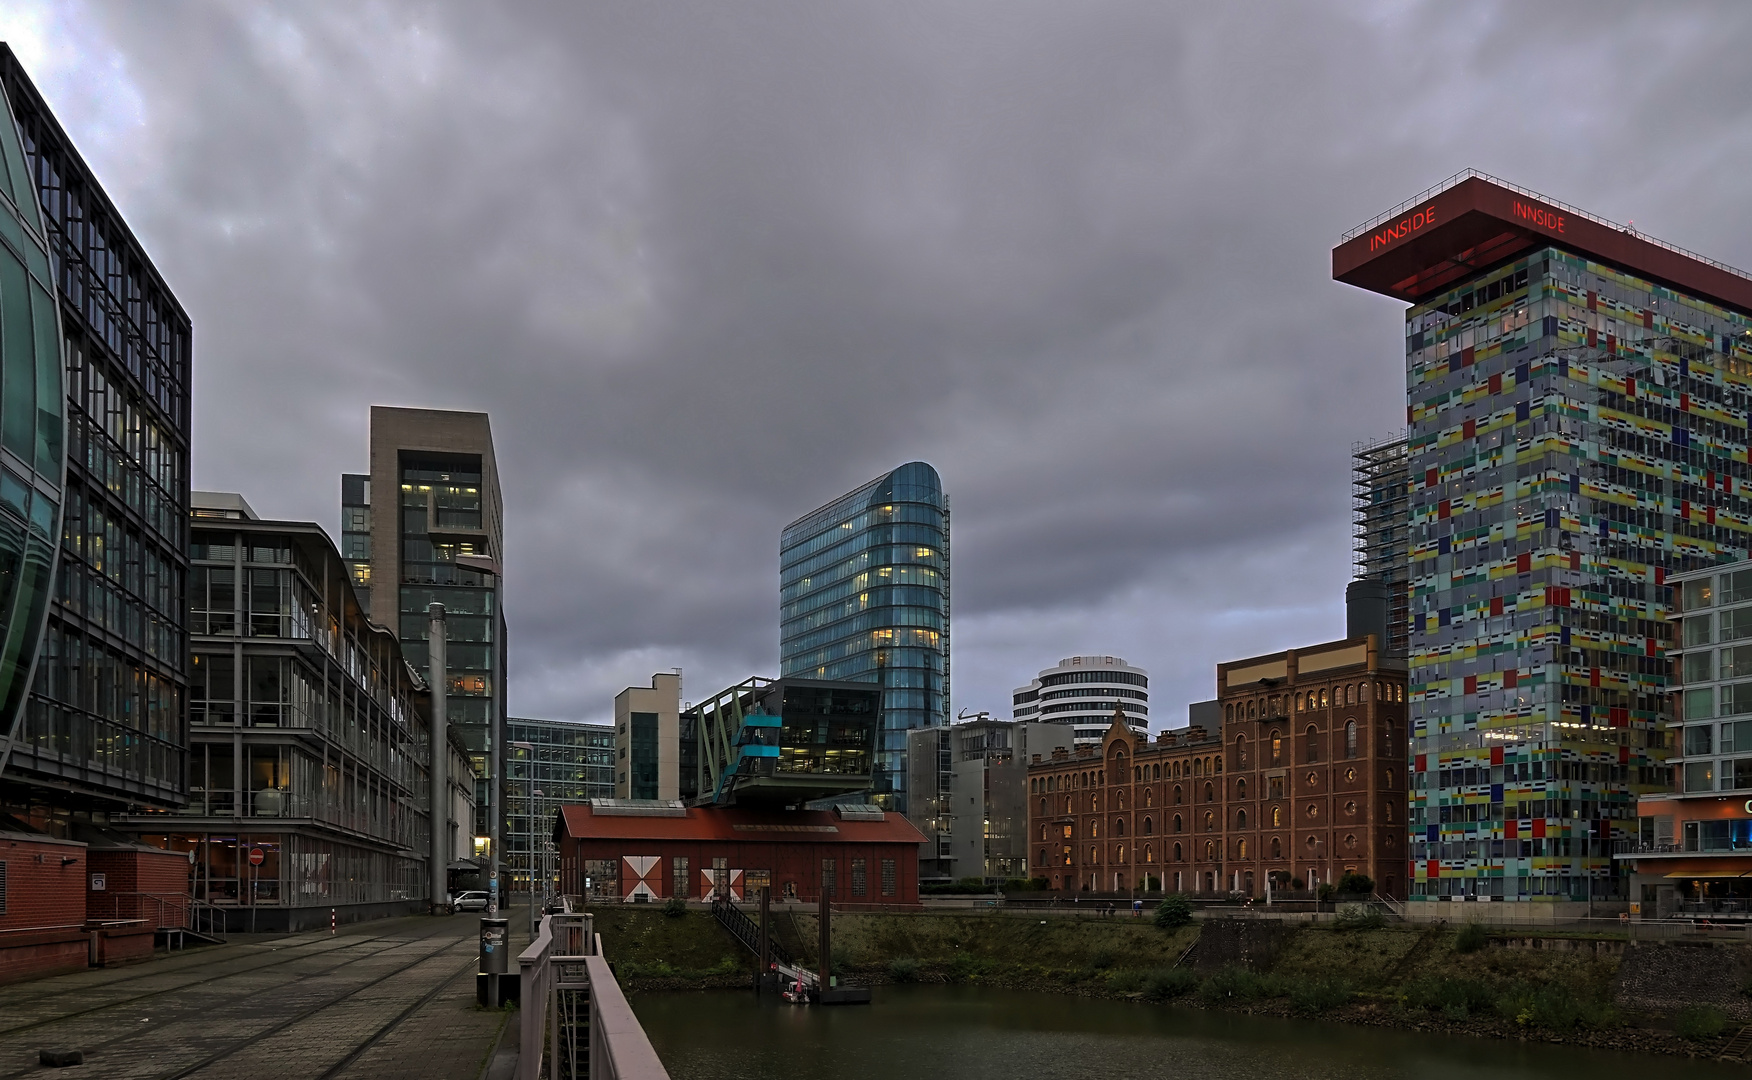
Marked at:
<point>165,911</point>
<point>575,1023</point>
<point>1470,174</point>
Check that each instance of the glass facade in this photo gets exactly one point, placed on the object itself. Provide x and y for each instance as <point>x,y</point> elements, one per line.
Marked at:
<point>440,510</point>
<point>1576,434</point>
<point>864,597</point>
<point>356,533</point>
<point>571,764</point>
<point>308,735</point>
<point>103,726</point>
<point>1712,747</point>
<point>32,426</point>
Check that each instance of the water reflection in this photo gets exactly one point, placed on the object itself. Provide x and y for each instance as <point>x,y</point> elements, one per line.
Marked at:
<point>915,1032</point>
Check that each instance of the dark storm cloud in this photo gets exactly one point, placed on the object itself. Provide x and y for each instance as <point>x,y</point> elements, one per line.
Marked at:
<point>710,265</point>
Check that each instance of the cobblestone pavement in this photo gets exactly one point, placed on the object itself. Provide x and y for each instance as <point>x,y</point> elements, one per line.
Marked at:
<point>389,999</point>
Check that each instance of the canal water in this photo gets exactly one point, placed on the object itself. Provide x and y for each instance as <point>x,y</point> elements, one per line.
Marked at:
<point>964,1033</point>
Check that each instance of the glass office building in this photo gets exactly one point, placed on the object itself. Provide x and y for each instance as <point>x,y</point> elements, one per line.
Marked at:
<point>103,727</point>
<point>424,526</point>
<point>563,763</point>
<point>864,597</point>
<point>310,737</point>
<point>1577,399</point>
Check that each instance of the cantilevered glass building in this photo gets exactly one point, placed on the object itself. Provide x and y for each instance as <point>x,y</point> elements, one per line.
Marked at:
<point>1577,407</point>
<point>864,597</point>
<point>94,421</point>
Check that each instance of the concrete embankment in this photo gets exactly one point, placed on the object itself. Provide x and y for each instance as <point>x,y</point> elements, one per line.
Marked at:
<point>1666,997</point>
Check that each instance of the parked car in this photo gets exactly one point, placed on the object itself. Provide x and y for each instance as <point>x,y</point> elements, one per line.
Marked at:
<point>469,901</point>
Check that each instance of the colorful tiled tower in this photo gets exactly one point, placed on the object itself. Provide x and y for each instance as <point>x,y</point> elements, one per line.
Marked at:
<point>1577,410</point>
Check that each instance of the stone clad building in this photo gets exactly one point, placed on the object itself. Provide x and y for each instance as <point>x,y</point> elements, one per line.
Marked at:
<point>1305,782</point>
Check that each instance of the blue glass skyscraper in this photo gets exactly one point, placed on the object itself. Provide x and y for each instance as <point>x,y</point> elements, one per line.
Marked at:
<point>864,597</point>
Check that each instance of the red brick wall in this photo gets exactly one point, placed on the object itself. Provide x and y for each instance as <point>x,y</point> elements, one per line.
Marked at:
<point>796,864</point>
<point>33,955</point>
<point>163,874</point>
<point>40,891</point>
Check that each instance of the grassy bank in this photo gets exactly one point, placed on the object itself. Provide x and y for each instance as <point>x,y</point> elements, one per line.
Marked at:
<point>1464,981</point>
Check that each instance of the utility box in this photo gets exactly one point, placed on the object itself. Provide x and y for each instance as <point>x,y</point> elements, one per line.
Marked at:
<point>495,946</point>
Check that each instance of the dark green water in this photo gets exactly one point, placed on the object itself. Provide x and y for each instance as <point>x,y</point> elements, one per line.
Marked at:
<point>961,1033</point>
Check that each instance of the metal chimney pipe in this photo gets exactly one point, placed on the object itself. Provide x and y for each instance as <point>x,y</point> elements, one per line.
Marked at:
<point>440,765</point>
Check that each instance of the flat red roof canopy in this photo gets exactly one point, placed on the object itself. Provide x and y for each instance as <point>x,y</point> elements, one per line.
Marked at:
<point>1476,222</point>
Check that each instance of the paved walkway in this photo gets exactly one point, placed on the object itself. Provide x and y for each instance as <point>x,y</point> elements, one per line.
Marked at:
<point>387,1000</point>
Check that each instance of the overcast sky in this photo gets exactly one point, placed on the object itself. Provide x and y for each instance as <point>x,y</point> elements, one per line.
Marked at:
<point>710,265</point>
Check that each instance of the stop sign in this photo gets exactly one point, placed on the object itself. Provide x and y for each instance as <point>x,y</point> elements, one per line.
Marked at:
<point>256,857</point>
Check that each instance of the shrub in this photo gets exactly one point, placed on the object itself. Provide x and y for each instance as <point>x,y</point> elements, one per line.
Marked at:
<point>1237,984</point>
<point>675,907</point>
<point>964,968</point>
<point>903,969</point>
<point>970,884</point>
<point>1165,983</point>
<point>1102,959</point>
<point>1470,939</point>
<point>1173,912</point>
<point>1555,1009</point>
<point>1359,917</point>
<point>1454,998</point>
<point>1125,982</point>
<point>1699,1022</point>
<point>1319,995</point>
<point>1356,884</point>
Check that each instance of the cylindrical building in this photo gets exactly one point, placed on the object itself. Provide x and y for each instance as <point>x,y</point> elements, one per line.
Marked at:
<point>1084,691</point>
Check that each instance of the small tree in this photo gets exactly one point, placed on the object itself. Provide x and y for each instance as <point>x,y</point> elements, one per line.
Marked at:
<point>1356,884</point>
<point>1173,912</point>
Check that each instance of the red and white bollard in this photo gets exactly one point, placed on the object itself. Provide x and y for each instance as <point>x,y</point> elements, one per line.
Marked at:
<point>331,920</point>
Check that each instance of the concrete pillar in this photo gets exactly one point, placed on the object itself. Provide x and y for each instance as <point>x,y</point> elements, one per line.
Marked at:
<point>440,766</point>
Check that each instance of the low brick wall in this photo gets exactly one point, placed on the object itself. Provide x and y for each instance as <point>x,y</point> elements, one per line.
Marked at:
<point>121,945</point>
<point>32,954</point>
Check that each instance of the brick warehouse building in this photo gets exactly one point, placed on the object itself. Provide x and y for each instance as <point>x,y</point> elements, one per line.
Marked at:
<point>1305,782</point>
<point>615,850</point>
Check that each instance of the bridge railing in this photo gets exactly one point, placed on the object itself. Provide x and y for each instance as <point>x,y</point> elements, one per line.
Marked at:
<point>575,1022</point>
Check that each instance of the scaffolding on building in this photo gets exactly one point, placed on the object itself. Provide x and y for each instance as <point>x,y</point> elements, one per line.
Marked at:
<point>1380,502</point>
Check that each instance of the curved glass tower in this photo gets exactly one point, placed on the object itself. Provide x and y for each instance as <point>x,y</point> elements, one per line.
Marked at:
<point>33,416</point>
<point>864,597</point>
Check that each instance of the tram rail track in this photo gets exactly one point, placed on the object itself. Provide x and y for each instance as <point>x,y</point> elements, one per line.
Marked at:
<point>305,1014</point>
<point>149,972</point>
<point>279,987</point>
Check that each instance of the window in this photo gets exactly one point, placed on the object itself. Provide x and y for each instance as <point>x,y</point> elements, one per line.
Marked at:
<point>1149,796</point>
<point>1240,751</point>
<point>1699,703</point>
<point>1094,803</point>
<point>1277,848</point>
<point>1350,738</point>
<point>1277,749</point>
<point>1210,821</point>
<point>1697,630</point>
<point>1241,788</point>
<point>1210,793</point>
<point>1119,826</point>
<point>678,882</point>
<point>1149,853</point>
<point>1350,809</point>
<point>1210,850</point>
<point>1178,857</point>
<point>1149,827</point>
<point>1094,829</point>
<point>887,877</point>
<point>1323,699</point>
<point>1043,808</point>
<point>1698,739</point>
<point>857,877</point>
<point>1240,849</point>
<point>1240,819</point>
<point>1275,787</point>
<point>1311,745</point>
<point>1177,798</point>
<point>1697,593</point>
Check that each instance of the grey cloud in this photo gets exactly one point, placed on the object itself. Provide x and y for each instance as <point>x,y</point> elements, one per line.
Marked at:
<point>709,266</point>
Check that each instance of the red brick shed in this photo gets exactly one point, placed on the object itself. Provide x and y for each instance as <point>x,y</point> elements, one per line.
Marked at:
<point>619,850</point>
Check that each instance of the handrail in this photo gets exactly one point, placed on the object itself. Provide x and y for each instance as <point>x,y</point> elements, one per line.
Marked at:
<point>619,1047</point>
